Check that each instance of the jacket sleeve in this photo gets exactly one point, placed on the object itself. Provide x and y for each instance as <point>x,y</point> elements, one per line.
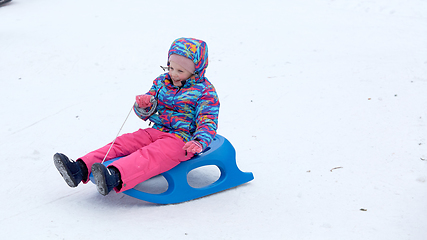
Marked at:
<point>207,116</point>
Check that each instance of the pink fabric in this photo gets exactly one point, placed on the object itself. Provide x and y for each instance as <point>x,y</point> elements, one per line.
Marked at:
<point>143,101</point>
<point>193,146</point>
<point>148,152</point>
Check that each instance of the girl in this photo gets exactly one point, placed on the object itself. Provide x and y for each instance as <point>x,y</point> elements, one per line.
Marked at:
<point>185,124</point>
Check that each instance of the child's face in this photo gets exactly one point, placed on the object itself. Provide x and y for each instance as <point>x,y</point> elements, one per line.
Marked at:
<point>178,74</point>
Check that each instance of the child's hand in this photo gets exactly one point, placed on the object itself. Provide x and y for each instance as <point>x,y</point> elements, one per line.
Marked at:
<point>143,101</point>
<point>193,146</point>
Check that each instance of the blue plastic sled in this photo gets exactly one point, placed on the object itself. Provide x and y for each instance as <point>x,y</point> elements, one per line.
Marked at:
<point>219,153</point>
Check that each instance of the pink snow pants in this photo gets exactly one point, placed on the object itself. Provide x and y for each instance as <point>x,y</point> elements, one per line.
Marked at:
<point>147,153</point>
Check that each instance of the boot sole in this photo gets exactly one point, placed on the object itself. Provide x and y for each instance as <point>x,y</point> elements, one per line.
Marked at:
<point>64,171</point>
<point>99,175</point>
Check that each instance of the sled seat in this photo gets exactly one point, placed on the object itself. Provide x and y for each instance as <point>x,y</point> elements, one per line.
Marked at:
<point>220,153</point>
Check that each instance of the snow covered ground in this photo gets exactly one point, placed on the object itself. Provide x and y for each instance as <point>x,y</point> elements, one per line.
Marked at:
<point>324,100</point>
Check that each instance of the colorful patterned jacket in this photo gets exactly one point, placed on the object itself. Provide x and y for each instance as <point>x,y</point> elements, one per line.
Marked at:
<point>191,111</point>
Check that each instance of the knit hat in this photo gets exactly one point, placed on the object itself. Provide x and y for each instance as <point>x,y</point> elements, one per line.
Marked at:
<point>184,62</point>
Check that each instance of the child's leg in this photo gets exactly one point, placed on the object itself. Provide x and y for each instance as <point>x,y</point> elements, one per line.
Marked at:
<point>124,145</point>
<point>160,156</point>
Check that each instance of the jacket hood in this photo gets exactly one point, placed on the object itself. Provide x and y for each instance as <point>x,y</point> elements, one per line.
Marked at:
<point>194,49</point>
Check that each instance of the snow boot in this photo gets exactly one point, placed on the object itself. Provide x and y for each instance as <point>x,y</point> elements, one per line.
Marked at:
<point>106,179</point>
<point>72,172</point>
<point>4,2</point>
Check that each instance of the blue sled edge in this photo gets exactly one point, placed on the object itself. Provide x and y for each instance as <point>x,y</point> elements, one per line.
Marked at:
<point>219,153</point>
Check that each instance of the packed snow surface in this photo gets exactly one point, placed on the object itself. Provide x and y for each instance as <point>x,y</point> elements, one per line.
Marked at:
<point>325,102</point>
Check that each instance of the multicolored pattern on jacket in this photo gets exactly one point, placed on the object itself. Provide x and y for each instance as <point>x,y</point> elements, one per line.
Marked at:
<point>190,111</point>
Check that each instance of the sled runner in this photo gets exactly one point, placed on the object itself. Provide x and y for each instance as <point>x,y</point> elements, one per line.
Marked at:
<point>220,153</point>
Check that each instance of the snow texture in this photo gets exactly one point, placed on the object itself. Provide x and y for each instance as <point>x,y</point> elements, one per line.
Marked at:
<point>324,100</point>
